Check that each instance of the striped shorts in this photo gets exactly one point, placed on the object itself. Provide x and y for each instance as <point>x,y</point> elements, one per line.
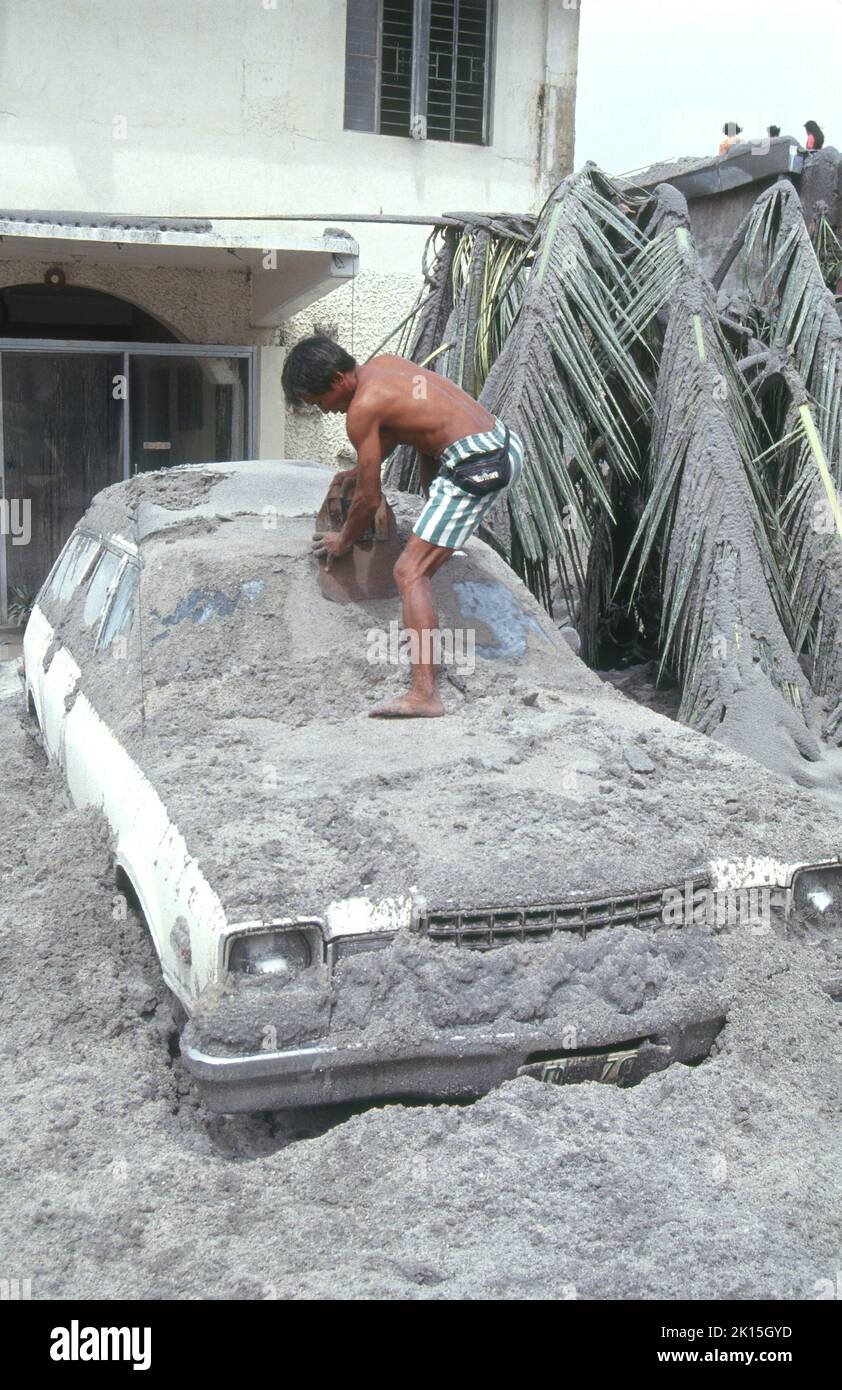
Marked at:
<point>452,515</point>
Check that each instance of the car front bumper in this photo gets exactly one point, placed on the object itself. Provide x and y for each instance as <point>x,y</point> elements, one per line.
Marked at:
<point>450,1067</point>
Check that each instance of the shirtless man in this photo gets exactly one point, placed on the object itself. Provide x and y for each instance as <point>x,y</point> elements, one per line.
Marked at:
<point>391,401</point>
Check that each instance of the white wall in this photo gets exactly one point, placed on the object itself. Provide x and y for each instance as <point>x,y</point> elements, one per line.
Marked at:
<point>359,315</point>
<point>235,107</point>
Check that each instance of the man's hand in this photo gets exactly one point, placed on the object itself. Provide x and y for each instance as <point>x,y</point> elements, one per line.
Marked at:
<point>327,546</point>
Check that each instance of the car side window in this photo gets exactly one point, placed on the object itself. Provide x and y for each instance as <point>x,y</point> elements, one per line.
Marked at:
<point>59,569</point>
<point>120,615</point>
<point>78,568</point>
<point>100,582</point>
<point>72,565</point>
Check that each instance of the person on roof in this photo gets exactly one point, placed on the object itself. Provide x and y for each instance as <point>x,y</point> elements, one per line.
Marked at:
<point>468,460</point>
<point>815,135</point>
<point>731,133</point>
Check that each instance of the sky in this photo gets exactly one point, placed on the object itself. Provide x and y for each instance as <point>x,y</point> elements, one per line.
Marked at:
<point>659,78</point>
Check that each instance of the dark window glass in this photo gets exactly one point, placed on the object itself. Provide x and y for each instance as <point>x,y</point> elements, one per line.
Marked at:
<point>55,578</point>
<point>224,421</point>
<point>98,587</point>
<point>378,75</point>
<point>73,562</point>
<point>396,67</point>
<point>61,430</point>
<point>209,421</point>
<point>78,567</point>
<point>189,396</point>
<point>362,41</point>
<point>121,612</point>
<point>456,91</point>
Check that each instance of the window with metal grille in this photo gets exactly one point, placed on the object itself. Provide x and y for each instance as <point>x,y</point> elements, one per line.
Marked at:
<point>420,68</point>
<point>396,67</point>
<point>456,81</point>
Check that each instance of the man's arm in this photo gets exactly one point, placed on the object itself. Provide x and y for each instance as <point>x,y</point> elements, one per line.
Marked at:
<point>364,434</point>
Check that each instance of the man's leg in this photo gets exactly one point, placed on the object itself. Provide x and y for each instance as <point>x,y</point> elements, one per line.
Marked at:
<point>413,572</point>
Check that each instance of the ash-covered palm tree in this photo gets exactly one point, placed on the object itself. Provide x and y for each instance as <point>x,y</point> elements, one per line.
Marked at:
<point>685,455</point>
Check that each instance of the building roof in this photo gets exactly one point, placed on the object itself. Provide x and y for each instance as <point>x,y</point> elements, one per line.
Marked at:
<point>750,161</point>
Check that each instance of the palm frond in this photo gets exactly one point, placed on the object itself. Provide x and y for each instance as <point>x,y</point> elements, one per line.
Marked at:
<point>474,277</point>
<point>726,624</point>
<point>800,310</point>
<point>566,378</point>
<point>828,249</point>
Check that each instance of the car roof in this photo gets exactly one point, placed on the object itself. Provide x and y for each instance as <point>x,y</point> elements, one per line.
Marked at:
<point>251,487</point>
<point>149,503</point>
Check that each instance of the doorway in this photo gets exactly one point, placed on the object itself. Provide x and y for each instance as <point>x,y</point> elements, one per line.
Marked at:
<point>79,415</point>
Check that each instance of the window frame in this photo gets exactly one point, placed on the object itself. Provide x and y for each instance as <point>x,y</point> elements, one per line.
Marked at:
<point>419,78</point>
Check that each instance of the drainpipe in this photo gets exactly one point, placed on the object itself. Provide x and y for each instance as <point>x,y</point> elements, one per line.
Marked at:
<point>420,69</point>
<point>557,102</point>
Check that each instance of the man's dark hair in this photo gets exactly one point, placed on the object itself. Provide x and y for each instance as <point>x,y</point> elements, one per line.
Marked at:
<point>311,366</point>
<point>731,128</point>
<point>773,131</point>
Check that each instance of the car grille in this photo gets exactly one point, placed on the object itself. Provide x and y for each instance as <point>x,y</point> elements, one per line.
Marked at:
<point>497,926</point>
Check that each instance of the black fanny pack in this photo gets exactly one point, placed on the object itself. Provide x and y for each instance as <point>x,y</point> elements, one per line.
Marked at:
<point>484,473</point>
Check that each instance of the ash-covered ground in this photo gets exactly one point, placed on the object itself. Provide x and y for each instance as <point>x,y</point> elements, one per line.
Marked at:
<point>717,1181</point>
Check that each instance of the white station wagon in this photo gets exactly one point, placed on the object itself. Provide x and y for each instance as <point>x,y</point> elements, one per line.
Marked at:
<point>326,892</point>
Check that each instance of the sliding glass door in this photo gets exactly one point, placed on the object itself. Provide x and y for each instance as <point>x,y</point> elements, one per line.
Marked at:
<point>77,417</point>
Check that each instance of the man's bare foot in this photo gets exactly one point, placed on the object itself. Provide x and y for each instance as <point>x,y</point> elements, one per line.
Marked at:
<point>409,707</point>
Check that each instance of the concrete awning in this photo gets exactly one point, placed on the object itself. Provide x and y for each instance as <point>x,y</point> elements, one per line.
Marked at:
<point>290,268</point>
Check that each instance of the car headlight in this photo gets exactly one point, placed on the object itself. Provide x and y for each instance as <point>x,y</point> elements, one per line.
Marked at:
<point>276,951</point>
<point>817,893</point>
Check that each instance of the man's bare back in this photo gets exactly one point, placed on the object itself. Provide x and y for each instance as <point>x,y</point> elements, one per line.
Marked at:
<point>413,406</point>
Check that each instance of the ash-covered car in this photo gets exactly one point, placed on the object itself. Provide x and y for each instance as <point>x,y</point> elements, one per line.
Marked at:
<point>348,908</point>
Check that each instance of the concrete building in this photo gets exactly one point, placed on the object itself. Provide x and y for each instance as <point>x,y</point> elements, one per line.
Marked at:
<point>181,190</point>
